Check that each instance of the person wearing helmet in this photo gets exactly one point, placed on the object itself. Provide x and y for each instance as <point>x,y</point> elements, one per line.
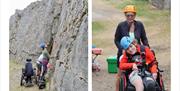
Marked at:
<point>43,61</point>
<point>132,28</point>
<point>130,66</point>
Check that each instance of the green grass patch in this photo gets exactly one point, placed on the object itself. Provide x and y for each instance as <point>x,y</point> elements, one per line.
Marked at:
<point>141,6</point>
<point>144,8</point>
<point>14,65</point>
<point>98,26</point>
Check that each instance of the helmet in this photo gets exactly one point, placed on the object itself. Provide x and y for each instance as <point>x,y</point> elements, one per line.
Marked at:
<point>130,8</point>
<point>42,45</point>
<point>28,60</point>
<point>93,46</point>
<point>126,41</point>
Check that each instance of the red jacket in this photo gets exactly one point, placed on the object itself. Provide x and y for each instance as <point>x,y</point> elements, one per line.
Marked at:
<point>149,57</point>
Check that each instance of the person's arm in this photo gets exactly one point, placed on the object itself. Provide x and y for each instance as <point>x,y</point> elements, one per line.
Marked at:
<point>26,66</point>
<point>124,65</point>
<point>149,56</point>
<point>144,39</point>
<point>32,70</point>
<point>117,37</point>
<point>46,53</point>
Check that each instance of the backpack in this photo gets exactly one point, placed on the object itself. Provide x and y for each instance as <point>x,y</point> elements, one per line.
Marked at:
<point>29,69</point>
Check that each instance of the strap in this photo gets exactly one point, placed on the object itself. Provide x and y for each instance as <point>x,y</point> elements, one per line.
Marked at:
<point>142,48</point>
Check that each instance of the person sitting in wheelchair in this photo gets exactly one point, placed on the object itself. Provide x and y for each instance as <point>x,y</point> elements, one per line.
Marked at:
<point>29,71</point>
<point>130,66</point>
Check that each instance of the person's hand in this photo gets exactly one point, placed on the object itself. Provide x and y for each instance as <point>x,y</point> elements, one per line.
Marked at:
<point>135,67</point>
<point>154,76</point>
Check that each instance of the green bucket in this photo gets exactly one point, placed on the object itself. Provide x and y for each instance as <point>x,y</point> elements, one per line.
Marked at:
<point>112,64</point>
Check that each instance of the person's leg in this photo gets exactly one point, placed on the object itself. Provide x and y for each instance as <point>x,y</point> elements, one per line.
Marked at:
<point>30,79</point>
<point>38,72</point>
<point>41,72</point>
<point>138,85</point>
<point>37,69</point>
<point>136,80</point>
<point>44,72</point>
<point>26,79</point>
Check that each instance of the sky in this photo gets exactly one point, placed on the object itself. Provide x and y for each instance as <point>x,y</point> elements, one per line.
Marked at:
<point>18,4</point>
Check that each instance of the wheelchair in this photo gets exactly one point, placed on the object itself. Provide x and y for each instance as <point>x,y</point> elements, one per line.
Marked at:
<point>27,82</point>
<point>95,64</point>
<point>149,83</point>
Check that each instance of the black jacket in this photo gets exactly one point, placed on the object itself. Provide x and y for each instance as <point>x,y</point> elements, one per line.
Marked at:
<point>123,30</point>
<point>29,69</point>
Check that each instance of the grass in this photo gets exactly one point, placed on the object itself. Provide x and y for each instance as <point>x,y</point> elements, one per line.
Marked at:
<point>98,26</point>
<point>144,8</point>
<point>148,15</point>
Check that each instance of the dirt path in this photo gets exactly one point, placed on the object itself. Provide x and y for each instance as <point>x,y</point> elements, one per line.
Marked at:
<point>103,11</point>
<point>103,81</point>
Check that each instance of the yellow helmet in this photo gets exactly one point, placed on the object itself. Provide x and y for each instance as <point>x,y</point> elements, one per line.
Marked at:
<point>130,8</point>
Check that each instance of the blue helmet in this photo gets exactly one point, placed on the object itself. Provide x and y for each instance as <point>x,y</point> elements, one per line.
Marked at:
<point>42,45</point>
<point>125,42</point>
<point>93,46</point>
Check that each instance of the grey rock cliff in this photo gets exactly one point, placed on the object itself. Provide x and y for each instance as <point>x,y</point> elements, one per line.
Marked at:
<point>161,4</point>
<point>63,25</point>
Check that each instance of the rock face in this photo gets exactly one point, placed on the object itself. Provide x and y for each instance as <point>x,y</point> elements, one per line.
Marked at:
<point>161,4</point>
<point>63,25</point>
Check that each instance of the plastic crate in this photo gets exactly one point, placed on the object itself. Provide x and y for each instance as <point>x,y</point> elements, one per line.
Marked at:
<point>112,64</point>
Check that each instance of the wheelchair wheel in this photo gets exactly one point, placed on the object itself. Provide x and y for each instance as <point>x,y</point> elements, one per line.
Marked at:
<point>35,79</point>
<point>122,84</point>
<point>21,83</point>
<point>22,77</point>
<point>41,84</point>
<point>160,82</point>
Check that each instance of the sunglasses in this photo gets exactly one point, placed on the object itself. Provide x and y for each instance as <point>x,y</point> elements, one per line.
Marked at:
<point>129,15</point>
